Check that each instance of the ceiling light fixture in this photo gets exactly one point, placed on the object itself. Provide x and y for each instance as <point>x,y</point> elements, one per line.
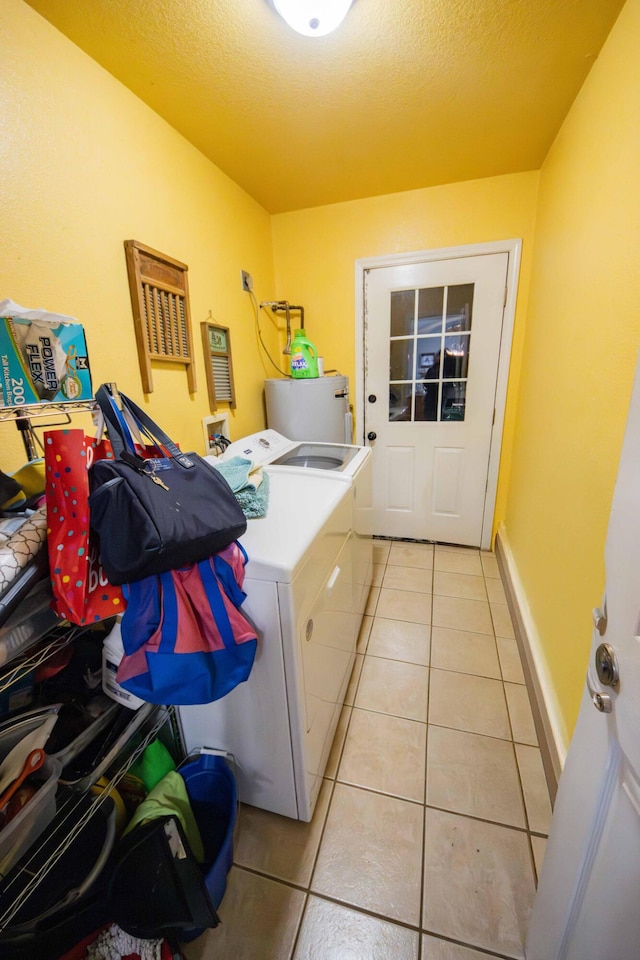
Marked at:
<point>313,18</point>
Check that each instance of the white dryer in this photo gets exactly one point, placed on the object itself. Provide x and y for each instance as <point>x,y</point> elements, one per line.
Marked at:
<point>280,724</point>
<point>346,463</point>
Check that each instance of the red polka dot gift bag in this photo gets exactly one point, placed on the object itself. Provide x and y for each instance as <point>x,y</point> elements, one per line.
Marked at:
<point>81,592</point>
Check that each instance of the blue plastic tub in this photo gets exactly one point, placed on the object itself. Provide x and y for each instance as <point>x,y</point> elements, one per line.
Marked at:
<point>213,794</point>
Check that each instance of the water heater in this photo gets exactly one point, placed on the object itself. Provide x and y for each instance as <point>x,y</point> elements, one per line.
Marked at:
<point>314,409</point>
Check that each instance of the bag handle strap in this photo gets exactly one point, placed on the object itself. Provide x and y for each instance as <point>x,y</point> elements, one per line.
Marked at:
<point>218,609</point>
<point>136,433</point>
<point>101,427</point>
<point>119,433</point>
<point>148,426</point>
<point>124,424</point>
<point>170,612</point>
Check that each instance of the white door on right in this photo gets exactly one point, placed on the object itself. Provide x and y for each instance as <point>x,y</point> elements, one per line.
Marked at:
<point>588,902</point>
<point>432,345</point>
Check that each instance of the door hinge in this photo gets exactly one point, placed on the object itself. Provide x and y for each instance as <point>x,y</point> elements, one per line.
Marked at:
<point>493,422</point>
<point>505,296</point>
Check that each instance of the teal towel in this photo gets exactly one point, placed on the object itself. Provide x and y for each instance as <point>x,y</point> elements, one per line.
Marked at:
<point>253,500</point>
<point>236,472</point>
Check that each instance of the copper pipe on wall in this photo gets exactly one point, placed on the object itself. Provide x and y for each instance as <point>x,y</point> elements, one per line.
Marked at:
<point>283,306</point>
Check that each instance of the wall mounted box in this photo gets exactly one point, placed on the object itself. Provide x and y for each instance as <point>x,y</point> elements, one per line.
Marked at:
<point>42,361</point>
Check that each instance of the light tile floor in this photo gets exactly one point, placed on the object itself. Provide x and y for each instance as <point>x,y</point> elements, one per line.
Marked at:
<point>433,815</point>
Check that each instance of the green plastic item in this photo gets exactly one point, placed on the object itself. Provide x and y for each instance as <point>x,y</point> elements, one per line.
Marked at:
<point>304,357</point>
<point>152,765</point>
<point>169,797</point>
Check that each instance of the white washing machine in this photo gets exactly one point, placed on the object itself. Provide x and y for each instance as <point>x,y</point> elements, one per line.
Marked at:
<point>346,463</point>
<point>280,724</point>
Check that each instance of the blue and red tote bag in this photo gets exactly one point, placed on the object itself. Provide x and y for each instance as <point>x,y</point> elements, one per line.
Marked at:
<point>184,638</point>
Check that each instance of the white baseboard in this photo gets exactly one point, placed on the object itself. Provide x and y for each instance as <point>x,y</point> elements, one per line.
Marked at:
<point>551,728</point>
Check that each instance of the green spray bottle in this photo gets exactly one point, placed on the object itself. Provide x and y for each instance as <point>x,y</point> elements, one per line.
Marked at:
<point>304,357</point>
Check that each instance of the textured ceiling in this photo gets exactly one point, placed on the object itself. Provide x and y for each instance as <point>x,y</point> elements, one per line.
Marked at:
<point>406,94</point>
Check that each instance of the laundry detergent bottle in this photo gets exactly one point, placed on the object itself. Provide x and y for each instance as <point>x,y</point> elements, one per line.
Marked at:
<point>304,357</point>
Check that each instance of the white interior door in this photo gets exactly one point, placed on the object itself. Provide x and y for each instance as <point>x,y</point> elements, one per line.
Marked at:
<point>587,905</point>
<point>432,342</point>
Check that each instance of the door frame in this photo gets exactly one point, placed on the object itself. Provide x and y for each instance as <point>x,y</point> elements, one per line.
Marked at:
<point>514,249</point>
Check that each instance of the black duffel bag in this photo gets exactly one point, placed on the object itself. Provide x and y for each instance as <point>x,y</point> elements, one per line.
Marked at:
<point>155,513</point>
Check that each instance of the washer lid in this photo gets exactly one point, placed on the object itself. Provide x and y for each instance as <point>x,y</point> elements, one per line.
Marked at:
<point>269,448</point>
<point>317,456</point>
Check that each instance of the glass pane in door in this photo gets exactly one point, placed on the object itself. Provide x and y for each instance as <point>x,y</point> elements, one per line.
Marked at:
<point>426,401</point>
<point>399,401</point>
<point>456,357</point>
<point>403,308</point>
<point>459,307</point>
<point>453,400</point>
<point>401,360</point>
<point>430,306</point>
<point>428,358</point>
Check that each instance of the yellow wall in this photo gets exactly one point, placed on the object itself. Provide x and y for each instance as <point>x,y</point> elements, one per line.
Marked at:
<point>582,339</point>
<point>315,252</point>
<point>85,165</point>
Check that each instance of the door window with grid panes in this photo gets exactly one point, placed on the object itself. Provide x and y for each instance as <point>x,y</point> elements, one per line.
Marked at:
<point>430,339</point>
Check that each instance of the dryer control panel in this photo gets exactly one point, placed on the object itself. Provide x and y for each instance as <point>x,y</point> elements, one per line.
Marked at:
<point>261,447</point>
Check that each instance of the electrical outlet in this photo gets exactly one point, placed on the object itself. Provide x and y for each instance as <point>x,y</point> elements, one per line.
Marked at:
<point>247,281</point>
